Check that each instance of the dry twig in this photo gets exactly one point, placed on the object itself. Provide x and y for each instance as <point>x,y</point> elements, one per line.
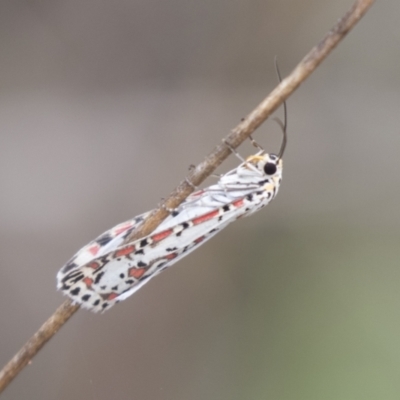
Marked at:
<point>198,174</point>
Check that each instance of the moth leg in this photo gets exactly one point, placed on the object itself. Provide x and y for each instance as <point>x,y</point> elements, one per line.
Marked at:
<point>240,157</point>
<point>191,184</point>
<point>191,168</point>
<point>255,144</point>
<point>233,150</point>
<point>170,210</point>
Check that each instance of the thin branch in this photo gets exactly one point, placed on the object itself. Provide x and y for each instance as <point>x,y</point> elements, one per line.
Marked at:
<point>199,174</point>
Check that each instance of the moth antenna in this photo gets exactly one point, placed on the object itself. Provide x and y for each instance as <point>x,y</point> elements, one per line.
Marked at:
<point>283,125</point>
<point>284,140</point>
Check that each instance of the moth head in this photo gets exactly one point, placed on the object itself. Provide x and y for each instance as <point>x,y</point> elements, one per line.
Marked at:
<point>266,164</point>
<point>270,164</point>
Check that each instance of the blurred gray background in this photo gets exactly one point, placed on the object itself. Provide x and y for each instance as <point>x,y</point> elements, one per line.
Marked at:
<point>105,104</point>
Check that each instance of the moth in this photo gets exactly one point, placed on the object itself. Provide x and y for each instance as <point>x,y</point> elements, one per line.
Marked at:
<point>106,271</point>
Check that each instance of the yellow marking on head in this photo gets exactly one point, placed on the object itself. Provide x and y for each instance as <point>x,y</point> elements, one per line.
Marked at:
<point>255,158</point>
<point>269,187</point>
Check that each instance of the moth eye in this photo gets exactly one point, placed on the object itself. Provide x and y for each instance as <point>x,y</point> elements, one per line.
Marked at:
<point>269,168</point>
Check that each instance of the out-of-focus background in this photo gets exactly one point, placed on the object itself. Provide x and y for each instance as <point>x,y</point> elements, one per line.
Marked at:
<point>103,107</point>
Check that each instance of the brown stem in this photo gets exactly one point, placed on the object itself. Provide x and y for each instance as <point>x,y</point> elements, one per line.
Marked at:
<point>36,342</point>
<point>198,174</point>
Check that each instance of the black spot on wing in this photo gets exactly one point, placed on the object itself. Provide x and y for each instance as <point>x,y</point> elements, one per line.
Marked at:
<point>145,278</point>
<point>104,239</point>
<point>75,291</point>
<point>98,270</point>
<point>127,232</point>
<point>144,242</point>
<point>72,275</point>
<point>77,278</point>
<point>68,267</point>
<point>161,265</point>
<point>98,277</point>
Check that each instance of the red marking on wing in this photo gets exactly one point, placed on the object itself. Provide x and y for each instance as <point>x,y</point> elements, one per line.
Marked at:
<point>162,235</point>
<point>123,228</point>
<point>137,272</point>
<point>199,239</point>
<point>171,256</point>
<point>93,265</point>
<point>87,281</point>
<point>238,203</point>
<point>124,251</point>
<point>205,217</point>
<point>94,249</point>
<point>112,296</point>
<point>197,194</point>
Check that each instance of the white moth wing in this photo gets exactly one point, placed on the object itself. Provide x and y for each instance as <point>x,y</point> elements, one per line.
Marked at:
<point>105,272</point>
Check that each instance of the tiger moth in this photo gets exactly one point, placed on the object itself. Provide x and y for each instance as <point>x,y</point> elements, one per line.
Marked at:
<point>107,271</point>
